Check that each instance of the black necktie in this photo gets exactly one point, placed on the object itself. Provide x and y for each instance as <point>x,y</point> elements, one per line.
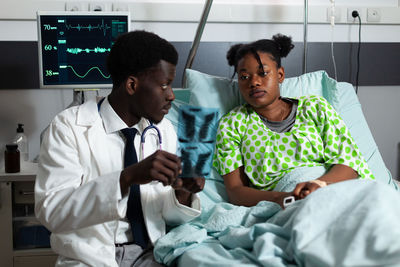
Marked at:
<point>134,212</point>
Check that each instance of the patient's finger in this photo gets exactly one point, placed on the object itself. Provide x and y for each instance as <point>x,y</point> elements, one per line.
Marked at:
<point>304,193</point>
<point>299,187</point>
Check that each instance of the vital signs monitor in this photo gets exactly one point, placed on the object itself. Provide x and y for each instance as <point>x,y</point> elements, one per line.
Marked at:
<point>73,47</point>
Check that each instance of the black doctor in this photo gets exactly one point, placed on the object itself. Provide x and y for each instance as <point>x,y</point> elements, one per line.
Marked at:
<point>145,92</point>
<point>104,203</point>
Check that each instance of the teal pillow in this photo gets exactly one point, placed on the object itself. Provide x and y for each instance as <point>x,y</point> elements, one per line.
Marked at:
<point>313,83</point>
<point>212,91</point>
<point>223,93</point>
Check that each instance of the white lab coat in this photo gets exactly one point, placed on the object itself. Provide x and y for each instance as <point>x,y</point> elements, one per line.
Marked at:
<point>78,183</point>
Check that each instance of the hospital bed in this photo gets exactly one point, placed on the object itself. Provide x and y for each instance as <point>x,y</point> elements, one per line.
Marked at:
<point>306,233</point>
<point>321,230</point>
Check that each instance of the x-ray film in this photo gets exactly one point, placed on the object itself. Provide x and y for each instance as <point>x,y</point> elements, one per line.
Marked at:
<point>196,135</point>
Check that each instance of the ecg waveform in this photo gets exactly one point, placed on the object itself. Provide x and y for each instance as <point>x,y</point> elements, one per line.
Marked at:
<point>102,26</point>
<point>76,51</point>
<point>84,75</point>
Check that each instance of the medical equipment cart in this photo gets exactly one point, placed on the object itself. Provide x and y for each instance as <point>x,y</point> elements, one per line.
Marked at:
<point>23,241</point>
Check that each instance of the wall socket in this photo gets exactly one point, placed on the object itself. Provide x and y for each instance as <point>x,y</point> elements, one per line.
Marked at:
<point>374,14</point>
<point>361,12</point>
<point>76,6</point>
<point>97,6</point>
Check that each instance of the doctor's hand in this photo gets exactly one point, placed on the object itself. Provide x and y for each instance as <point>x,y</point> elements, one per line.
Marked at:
<point>191,185</point>
<point>161,166</point>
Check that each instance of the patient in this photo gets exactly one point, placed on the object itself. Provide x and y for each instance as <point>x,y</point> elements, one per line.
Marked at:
<point>261,141</point>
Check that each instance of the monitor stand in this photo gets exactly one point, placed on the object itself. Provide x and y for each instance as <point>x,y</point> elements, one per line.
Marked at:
<point>79,96</point>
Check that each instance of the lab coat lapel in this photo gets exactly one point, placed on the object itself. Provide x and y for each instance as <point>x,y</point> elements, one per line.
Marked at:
<point>100,150</point>
<point>88,116</point>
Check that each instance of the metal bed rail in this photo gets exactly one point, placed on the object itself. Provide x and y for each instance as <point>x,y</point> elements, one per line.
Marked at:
<point>202,24</point>
<point>197,38</point>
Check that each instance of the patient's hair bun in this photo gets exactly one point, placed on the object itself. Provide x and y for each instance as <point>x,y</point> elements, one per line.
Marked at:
<point>284,43</point>
<point>232,53</point>
<point>278,46</point>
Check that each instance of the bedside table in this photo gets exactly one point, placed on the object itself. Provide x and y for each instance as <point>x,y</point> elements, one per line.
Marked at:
<point>19,245</point>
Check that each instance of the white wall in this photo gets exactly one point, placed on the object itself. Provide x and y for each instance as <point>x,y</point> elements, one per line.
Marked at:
<point>35,108</point>
<point>381,110</point>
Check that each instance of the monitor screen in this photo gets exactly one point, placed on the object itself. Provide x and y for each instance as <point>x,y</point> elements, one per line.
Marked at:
<point>73,47</point>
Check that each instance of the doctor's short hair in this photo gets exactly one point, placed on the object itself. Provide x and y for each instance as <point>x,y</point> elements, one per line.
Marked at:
<point>278,47</point>
<point>136,52</point>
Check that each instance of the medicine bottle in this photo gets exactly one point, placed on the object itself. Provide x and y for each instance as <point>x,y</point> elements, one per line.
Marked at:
<point>11,158</point>
<point>22,141</point>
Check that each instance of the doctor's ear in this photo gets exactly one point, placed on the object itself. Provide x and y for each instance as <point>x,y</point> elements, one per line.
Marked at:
<point>131,85</point>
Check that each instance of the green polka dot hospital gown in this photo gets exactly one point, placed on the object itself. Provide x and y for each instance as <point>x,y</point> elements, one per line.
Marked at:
<point>318,137</point>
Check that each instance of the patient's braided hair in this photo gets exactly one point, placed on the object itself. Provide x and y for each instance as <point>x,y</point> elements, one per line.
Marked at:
<point>136,52</point>
<point>278,47</point>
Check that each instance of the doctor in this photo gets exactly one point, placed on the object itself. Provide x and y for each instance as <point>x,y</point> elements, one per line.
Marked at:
<point>83,192</point>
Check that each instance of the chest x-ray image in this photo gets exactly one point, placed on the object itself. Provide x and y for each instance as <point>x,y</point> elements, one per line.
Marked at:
<point>196,135</point>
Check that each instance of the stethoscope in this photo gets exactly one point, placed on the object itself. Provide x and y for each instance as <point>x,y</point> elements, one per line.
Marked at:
<point>143,136</point>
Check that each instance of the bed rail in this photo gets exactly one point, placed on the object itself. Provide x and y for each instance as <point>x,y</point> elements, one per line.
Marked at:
<point>197,38</point>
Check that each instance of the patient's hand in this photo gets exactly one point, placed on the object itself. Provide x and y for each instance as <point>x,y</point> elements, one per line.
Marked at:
<point>304,189</point>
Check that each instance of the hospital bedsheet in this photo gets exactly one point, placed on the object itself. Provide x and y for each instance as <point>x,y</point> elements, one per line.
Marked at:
<point>352,223</point>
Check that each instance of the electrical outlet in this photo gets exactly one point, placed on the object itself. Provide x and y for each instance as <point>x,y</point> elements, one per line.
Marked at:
<point>350,17</point>
<point>373,14</point>
<point>97,6</point>
<point>120,7</point>
<point>76,6</point>
<point>337,14</point>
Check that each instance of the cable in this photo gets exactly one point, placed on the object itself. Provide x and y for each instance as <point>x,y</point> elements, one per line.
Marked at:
<point>333,57</point>
<point>356,15</point>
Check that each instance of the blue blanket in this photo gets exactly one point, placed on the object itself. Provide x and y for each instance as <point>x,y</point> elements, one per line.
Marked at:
<point>352,223</point>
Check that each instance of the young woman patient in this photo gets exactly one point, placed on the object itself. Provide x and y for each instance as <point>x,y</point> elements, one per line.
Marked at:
<point>269,136</point>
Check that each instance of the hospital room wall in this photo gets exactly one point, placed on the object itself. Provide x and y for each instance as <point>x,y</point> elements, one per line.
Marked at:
<point>36,107</point>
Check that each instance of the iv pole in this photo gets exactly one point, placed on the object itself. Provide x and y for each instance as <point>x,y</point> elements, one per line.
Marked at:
<point>201,26</point>
<point>305,26</point>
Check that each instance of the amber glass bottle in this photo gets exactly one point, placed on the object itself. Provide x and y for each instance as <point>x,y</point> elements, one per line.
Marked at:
<point>12,158</point>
